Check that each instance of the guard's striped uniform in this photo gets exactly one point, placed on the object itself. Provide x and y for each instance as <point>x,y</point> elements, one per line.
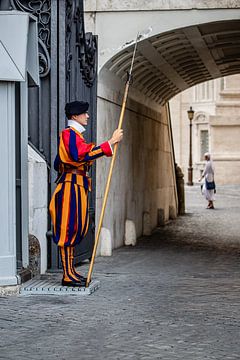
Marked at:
<point>69,203</point>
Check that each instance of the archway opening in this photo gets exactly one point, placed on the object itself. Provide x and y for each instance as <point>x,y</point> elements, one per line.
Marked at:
<point>166,64</point>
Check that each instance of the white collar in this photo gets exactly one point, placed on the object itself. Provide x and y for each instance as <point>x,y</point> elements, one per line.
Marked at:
<point>74,124</point>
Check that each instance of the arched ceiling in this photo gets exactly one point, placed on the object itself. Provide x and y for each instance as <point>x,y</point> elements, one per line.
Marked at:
<point>169,63</point>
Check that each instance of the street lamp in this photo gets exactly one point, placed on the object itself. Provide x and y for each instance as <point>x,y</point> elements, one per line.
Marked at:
<point>190,168</point>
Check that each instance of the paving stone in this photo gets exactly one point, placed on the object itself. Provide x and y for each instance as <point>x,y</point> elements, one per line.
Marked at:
<point>173,296</point>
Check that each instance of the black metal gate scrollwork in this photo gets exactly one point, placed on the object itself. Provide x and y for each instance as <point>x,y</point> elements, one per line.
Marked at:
<point>80,46</point>
<point>42,11</point>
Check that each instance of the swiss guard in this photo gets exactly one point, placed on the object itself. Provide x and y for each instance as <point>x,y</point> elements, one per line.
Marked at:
<point>69,204</point>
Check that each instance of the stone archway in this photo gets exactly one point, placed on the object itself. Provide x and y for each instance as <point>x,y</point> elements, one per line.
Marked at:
<point>178,50</point>
<point>172,61</point>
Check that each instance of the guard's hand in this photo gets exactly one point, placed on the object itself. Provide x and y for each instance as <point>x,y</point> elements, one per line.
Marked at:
<point>116,137</point>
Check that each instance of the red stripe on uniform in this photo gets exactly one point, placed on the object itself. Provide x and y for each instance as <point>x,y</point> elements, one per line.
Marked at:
<point>82,146</point>
<point>66,138</point>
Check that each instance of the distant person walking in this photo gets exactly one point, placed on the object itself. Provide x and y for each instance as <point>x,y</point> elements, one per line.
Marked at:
<point>208,189</point>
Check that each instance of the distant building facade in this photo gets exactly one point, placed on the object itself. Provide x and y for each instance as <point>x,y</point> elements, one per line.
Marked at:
<point>216,128</point>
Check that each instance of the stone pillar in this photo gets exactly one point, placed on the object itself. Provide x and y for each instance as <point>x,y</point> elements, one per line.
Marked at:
<point>105,242</point>
<point>24,171</point>
<point>130,237</point>
<point>7,185</point>
<point>18,59</point>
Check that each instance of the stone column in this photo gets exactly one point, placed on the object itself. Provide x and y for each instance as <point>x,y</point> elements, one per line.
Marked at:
<point>24,171</point>
<point>7,185</point>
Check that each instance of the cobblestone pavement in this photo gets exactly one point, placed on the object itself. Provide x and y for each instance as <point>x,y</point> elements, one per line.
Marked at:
<point>173,296</point>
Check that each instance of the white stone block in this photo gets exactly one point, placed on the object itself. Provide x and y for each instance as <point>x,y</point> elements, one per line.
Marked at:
<point>105,242</point>
<point>146,224</point>
<point>172,212</point>
<point>130,233</point>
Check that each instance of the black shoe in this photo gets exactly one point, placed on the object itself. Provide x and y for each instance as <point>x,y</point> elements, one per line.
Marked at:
<point>80,283</point>
<point>81,278</point>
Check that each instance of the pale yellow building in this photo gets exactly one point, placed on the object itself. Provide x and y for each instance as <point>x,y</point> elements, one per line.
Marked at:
<point>215,128</point>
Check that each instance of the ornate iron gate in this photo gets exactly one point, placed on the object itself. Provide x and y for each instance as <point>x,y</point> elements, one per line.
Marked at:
<point>68,71</point>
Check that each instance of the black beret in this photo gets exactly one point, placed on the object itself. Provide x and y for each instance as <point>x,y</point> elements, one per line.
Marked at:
<point>76,107</point>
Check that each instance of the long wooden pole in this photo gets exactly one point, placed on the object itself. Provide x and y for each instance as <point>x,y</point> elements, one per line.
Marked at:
<point>111,168</point>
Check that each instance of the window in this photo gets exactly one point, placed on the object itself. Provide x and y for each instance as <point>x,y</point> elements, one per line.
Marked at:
<point>204,143</point>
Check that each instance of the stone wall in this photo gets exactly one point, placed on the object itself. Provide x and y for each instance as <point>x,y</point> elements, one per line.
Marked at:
<point>143,179</point>
<point>225,132</point>
<point>38,202</point>
<point>134,5</point>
